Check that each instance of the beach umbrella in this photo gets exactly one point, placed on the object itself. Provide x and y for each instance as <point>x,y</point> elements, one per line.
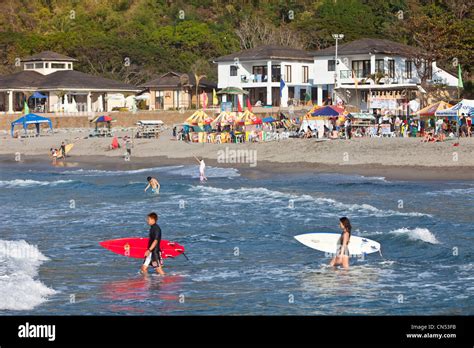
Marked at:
<point>328,111</point>
<point>73,105</point>
<point>66,104</point>
<point>223,118</point>
<point>100,101</point>
<point>248,118</point>
<point>198,117</point>
<point>103,118</point>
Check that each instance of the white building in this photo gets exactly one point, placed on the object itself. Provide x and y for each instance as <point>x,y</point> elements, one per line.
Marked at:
<point>259,71</point>
<point>373,74</point>
<point>49,83</point>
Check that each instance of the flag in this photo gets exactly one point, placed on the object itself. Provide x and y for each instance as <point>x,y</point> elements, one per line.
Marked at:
<point>249,106</point>
<point>460,83</point>
<point>282,85</point>
<point>26,109</point>
<point>204,100</point>
<point>215,101</point>
<point>239,107</point>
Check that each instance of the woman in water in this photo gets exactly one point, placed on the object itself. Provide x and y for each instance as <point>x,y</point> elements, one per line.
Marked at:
<point>342,253</point>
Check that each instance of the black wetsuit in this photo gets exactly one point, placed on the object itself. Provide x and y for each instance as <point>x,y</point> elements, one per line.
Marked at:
<point>155,234</point>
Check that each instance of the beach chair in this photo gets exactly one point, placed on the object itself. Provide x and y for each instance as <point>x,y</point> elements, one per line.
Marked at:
<point>218,139</point>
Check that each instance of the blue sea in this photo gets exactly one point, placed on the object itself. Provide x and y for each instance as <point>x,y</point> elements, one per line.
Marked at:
<point>238,233</point>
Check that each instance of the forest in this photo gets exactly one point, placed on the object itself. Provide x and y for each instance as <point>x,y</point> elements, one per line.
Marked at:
<point>136,40</point>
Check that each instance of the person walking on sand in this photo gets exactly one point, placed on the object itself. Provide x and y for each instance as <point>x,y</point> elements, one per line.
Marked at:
<point>342,253</point>
<point>154,184</point>
<point>63,150</point>
<point>153,253</point>
<point>54,155</point>
<point>202,169</point>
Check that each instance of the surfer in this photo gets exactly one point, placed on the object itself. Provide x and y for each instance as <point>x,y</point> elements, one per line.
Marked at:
<point>202,169</point>
<point>152,255</point>
<point>342,253</point>
<point>154,184</point>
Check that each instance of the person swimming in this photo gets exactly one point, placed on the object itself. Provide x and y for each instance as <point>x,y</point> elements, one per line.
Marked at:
<point>154,184</point>
<point>342,253</point>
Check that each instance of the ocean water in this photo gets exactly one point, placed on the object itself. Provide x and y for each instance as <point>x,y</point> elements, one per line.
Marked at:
<point>238,232</point>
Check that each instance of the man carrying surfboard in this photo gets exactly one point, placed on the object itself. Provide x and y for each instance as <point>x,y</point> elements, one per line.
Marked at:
<point>342,253</point>
<point>154,184</point>
<point>152,255</point>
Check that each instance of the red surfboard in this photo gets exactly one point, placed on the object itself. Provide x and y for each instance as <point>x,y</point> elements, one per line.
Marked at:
<point>136,247</point>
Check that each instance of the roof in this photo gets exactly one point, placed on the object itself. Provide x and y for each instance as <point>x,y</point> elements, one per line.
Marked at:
<point>268,52</point>
<point>48,55</point>
<point>365,46</point>
<point>60,80</point>
<point>172,79</point>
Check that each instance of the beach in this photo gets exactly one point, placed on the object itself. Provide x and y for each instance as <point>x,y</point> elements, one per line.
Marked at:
<point>394,158</point>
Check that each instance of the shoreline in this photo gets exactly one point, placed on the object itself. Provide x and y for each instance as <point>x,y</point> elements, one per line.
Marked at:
<point>263,168</point>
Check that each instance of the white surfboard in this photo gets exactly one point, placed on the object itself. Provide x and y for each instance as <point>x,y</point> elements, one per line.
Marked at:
<point>327,242</point>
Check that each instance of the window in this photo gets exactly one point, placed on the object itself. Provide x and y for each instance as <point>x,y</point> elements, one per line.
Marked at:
<point>291,92</point>
<point>29,66</point>
<point>69,66</point>
<point>39,65</point>
<point>408,69</point>
<point>305,74</point>
<point>391,68</point>
<point>276,73</point>
<point>302,94</point>
<point>233,70</point>
<point>361,68</point>
<point>58,66</point>
<point>380,66</point>
<point>287,73</point>
<point>429,72</point>
<point>46,65</point>
<point>260,73</point>
<point>331,65</point>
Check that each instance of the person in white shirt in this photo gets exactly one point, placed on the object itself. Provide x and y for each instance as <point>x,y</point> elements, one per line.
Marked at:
<point>202,169</point>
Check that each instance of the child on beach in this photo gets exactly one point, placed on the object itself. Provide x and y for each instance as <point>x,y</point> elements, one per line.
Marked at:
<point>154,184</point>
<point>54,154</point>
<point>153,254</point>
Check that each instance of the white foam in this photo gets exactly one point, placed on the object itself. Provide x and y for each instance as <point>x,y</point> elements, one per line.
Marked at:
<point>453,192</point>
<point>261,193</point>
<point>417,233</point>
<point>190,171</point>
<point>31,183</point>
<point>19,263</point>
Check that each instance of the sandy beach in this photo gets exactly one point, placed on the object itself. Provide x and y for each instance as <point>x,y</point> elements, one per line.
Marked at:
<point>396,158</point>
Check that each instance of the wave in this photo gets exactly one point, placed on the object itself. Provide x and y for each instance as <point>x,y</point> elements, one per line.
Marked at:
<point>19,263</point>
<point>190,171</point>
<point>453,192</point>
<point>422,234</point>
<point>258,193</point>
<point>31,183</point>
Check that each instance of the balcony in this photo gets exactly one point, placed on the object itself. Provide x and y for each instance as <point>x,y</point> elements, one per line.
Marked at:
<point>258,78</point>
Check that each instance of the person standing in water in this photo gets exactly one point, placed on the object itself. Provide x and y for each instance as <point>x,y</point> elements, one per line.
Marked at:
<point>202,169</point>
<point>153,253</point>
<point>342,253</point>
<point>154,184</point>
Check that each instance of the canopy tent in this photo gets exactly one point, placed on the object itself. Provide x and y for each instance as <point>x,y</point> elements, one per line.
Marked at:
<point>313,109</point>
<point>329,110</point>
<point>463,107</point>
<point>362,116</point>
<point>31,119</point>
<point>248,118</point>
<point>431,110</point>
<point>224,118</point>
<point>198,117</point>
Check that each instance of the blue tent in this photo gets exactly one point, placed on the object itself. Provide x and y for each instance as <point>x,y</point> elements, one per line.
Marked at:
<point>268,119</point>
<point>31,119</point>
